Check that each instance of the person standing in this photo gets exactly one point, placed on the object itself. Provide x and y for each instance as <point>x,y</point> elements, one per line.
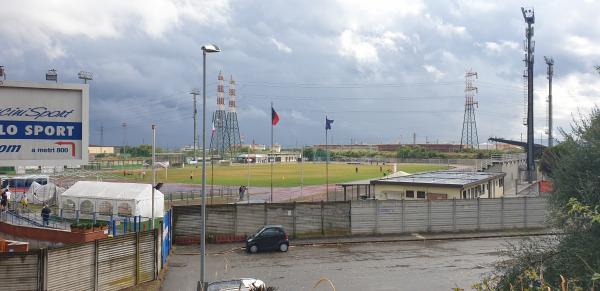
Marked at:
<point>241,192</point>
<point>8,195</point>
<point>46,214</point>
<point>24,202</point>
<point>3,200</point>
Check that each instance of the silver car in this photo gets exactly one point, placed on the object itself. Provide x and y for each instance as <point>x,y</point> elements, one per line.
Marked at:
<point>242,284</point>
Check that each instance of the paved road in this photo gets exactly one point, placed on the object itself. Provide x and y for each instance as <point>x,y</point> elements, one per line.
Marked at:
<point>428,265</point>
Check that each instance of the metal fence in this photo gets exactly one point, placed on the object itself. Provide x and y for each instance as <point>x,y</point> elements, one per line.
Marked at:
<point>106,264</point>
<point>408,216</point>
<point>299,219</point>
<point>362,217</point>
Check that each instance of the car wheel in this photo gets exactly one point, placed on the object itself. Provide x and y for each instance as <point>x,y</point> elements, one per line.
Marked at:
<point>254,249</point>
<point>283,247</point>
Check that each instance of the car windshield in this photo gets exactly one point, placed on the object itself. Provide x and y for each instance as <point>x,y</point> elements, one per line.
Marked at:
<point>259,231</point>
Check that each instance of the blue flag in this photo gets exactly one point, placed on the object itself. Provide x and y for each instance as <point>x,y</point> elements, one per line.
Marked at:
<point>328,123</point>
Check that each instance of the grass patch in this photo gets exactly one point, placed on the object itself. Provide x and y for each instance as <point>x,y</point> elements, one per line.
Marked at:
<point>284,175</point>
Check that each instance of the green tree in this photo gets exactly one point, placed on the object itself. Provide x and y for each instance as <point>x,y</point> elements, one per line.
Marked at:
<point>574,169</point>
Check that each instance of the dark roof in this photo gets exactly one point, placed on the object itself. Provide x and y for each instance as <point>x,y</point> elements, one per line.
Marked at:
<point>458,179</point>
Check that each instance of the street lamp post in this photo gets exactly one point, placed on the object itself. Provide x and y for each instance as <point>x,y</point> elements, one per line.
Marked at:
<point>211,48</point>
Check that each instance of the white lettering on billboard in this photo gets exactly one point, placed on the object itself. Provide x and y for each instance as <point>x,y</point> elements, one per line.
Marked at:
<point>43,124</point>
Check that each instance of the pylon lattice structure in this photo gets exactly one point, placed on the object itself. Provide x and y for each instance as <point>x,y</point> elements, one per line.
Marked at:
<point>469,137</point>
<point>225,139</point>
<point>219,140</point>
<point>233,128</point>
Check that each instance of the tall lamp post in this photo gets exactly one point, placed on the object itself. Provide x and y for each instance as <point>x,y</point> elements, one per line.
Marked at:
<point>211,48</point>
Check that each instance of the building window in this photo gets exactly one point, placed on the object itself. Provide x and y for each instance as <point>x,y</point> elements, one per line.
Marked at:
<point>410,194</point>
<point>421,194</point>
<point>501,182</point>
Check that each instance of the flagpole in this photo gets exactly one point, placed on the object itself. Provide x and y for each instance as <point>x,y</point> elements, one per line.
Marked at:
<point>272,157</point>
<point>326,162</point>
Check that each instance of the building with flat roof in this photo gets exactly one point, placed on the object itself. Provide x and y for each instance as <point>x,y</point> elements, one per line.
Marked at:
<point>441,185</point>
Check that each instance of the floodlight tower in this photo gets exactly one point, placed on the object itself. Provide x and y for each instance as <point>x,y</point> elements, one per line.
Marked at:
<point>85,76</point>
<point>195,92</point>
<point>51,75</point>
<point>550,72</point>
<point>219,138</point>
<point>469,136</point>
<point>233,128</point>
<point>529,17</point>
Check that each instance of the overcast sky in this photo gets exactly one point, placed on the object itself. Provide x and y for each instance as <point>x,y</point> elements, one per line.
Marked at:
<point>381,69</point>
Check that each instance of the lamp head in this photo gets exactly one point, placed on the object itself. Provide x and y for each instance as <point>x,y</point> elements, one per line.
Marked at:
<point>211,48</point>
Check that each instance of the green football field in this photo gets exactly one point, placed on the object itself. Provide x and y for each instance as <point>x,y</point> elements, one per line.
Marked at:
<point>284,175</point>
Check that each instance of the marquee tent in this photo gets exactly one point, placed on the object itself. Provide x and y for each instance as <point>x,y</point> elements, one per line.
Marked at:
<point>110,198</point>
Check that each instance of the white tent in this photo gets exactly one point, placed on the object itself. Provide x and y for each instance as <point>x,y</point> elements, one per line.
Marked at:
<point>109,198</point>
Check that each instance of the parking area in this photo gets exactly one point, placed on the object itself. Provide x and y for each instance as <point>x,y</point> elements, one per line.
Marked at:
<point>425,265</point>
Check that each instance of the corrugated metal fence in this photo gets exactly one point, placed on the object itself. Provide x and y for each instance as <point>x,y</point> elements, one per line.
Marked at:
<point>299,219</point>
<point>408,216</point>
<point>361,217</point>
<point>106,264</point>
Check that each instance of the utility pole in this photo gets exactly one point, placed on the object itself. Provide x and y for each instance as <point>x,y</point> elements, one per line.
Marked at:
<point>550,72</point>
<point>195,93</point>
<point>101,134</point>
<point>124,125</point>
<point>414,139</point>
<point>153,168</point>
<point>529,17</point>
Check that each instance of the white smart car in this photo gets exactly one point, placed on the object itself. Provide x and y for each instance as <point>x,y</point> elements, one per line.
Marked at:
<point>242,284</point>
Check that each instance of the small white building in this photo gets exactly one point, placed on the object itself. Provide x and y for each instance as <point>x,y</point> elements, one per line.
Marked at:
<point>110,198</point>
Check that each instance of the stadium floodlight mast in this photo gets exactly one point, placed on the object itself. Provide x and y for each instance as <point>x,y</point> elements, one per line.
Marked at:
<point>3,73</point>
<point>210,48</point>
<point>51,75</point>
<point>85,76</point>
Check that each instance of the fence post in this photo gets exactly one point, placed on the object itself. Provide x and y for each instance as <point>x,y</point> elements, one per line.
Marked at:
<point>376,208</point>
<point>77,216</point>
<point>135,224</point>
<point>453,214</point>
<point>235,219</point>
<point>125,220</point>
<point>502,212</point>
<point>525,211</point>
<point>43,269</point>
<point>428,215</point>
<point>137,258</point>
<point>294,220</point>
<point>114,228</point>
<point>350,217</point>
<point>478,215</point>
<point>94,217</point>
<point>96,264</point>
<point>402,217</point>
<point>265,214</point>
<point>322,217</point>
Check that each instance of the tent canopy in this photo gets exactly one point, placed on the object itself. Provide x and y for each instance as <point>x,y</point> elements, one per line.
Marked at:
<point>103,194</point>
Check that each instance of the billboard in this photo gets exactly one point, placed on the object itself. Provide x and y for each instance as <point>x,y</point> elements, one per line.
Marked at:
<point>43,124</point>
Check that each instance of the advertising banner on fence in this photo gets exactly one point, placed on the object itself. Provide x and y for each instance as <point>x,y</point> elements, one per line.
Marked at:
<point>43,124</point>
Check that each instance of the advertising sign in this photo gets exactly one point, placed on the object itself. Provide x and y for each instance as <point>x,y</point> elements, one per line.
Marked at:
<point>43,124</point>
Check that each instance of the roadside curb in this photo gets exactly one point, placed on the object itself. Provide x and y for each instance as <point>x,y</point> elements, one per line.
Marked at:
<point>422,238</point>
<point>415,237</point>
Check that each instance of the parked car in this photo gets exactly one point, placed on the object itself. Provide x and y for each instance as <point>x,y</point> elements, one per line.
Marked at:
<point>270,237</point>
<point>242,284</point>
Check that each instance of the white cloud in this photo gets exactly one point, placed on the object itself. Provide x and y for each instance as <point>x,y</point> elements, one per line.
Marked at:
<point>357,47</point>
<point>43,23</point>
<point>365,49</point>
<point>582,46</point>
<point>435,72</point>
<point>377,14</point>
<point>497,48</point>
<point>571,93</point>
<point>280,46</point>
